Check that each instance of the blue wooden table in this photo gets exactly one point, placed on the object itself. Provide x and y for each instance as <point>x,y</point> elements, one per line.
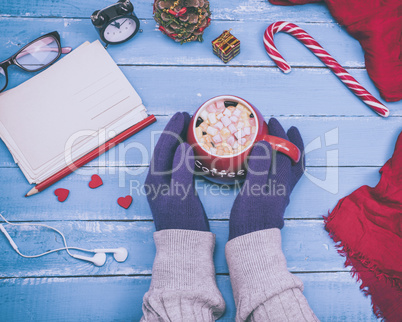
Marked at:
<point>346,142</point>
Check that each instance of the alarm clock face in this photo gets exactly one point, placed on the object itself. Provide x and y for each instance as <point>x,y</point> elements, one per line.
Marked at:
<point>120,30</point>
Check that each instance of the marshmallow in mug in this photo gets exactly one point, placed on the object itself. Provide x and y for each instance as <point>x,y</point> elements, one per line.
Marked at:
<point>225,128</point>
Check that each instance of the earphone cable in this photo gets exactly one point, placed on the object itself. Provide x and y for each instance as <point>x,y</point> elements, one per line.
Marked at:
<point>66,248</point>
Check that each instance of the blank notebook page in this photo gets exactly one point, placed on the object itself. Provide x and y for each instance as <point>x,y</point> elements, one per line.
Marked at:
<point>83,92</point>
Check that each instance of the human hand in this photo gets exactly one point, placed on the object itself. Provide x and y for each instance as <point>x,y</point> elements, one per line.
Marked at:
<point>170,184</point>
<point>271,177</point>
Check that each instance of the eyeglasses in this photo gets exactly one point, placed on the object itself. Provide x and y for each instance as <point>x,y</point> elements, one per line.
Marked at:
<point>35,56</point>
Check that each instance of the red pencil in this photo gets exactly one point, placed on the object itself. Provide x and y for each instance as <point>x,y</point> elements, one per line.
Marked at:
<point>92,155</point>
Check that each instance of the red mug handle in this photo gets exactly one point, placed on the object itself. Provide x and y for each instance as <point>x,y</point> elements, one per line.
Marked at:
<point>284,146</point>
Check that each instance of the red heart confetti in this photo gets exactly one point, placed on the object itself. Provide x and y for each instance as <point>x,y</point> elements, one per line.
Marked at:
<point>95,182</point>
<point>61,194</point>
<point>125,202</point>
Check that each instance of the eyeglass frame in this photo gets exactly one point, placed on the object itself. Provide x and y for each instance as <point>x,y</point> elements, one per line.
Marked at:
<point>13,59</point>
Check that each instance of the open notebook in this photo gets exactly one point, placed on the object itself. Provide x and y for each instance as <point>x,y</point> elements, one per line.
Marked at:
<point>66,111</point>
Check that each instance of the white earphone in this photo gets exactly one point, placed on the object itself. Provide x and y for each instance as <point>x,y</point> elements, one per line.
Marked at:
<point>120,254</point>
<point>98,259</point>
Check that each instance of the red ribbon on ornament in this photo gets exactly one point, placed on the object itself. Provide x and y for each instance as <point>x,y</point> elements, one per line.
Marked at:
<point>203,28</point>
<point>179,13</point>
<point>161,28</point>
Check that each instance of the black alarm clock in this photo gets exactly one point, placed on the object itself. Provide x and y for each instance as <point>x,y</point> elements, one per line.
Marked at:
<point>116,23</point>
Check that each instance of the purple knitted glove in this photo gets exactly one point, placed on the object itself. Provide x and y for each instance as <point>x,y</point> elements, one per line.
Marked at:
<point>170,184</point>
<point>271,177</point>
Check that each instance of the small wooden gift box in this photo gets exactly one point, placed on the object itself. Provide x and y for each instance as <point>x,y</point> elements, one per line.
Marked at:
<point>226,46</point>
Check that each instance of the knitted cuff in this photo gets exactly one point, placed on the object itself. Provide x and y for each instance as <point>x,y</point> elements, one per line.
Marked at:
<point>184,260</point>
<point>256,263</point>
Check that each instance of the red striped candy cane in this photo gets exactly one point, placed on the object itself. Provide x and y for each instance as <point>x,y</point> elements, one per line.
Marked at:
<point>323,55</point>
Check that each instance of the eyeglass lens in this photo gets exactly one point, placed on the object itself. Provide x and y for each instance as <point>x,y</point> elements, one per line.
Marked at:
<point>40,53</point>
<point>3,79</point>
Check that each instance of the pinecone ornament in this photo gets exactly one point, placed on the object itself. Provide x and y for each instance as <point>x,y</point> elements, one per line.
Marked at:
<point>182,20</point>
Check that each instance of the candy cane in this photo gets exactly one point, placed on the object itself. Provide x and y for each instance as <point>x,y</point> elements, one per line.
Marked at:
<point>323,55</point>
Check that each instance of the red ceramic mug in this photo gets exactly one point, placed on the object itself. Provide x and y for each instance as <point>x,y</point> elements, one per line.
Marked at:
<point>229,168</point>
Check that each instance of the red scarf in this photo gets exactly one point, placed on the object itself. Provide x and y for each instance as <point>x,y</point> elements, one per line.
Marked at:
<point>377,25</point>
<point>367,225</point>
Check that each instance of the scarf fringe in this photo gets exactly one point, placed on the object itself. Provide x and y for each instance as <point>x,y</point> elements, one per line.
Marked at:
<point>345,251</point>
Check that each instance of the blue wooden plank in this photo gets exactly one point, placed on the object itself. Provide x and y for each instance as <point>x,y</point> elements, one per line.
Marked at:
<point>329,141</point>
<point>309,199</point>
<point>353,138</point>
<point>223,9</point>
<point>332,296</point>
<point>306,245</point>
<point>303,92</point>
<point>146,47</point>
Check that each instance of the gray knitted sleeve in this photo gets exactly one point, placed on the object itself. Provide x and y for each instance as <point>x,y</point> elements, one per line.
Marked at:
<point>183,286</point>
<point>263,288</point>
